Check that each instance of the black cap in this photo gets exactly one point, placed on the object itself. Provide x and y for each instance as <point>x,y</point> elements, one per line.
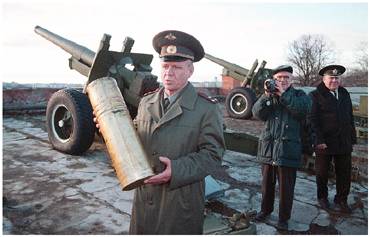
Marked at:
<point>173,45</point>
<point>282,68</point>
<point>332,70</point>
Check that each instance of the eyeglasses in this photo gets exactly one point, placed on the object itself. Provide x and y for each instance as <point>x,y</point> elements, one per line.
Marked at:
<point>332,78</point>
<point>281,78</point>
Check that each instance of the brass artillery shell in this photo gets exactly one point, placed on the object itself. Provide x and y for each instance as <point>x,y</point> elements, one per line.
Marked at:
<point>124,146</point>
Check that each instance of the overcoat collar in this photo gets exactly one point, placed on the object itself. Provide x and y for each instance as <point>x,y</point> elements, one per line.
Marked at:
<point>323,89</point>
<point>326,92</point>
<point>186,100</point>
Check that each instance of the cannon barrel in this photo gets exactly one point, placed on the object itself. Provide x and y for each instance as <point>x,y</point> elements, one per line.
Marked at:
<point>250,74</point>
<point>79,52</point>
<point>243,72</point>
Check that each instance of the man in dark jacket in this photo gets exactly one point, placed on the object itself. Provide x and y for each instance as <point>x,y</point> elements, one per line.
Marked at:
<point>332,122</point>
<point>279,147</point>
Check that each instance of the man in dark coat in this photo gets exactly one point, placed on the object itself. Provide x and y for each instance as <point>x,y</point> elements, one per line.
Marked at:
<point>332,122</point>
<point>279,148</point>
<point>182,133</point>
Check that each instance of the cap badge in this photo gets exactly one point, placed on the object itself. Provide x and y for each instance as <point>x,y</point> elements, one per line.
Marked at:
<point>171,49</point>
<point>335,72</point>
<point>170,36</point>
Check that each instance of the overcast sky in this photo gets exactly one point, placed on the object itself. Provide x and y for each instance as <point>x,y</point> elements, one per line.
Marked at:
<point>237,31</point>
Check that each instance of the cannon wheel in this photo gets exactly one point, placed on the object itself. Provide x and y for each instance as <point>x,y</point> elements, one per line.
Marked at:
<point>69,121</point>
<point>239,103</point>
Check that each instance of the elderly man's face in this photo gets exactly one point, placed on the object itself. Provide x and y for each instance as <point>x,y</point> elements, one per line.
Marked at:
<point>284,78</point>
<point>331,82</point>
<point>175,75</point>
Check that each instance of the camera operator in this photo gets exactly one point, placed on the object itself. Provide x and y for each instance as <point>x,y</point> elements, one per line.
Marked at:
<point>282,108</point>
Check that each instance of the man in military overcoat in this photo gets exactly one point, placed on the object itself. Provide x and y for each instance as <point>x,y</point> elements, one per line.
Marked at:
<point>182,134</point>
<point>332,121</point>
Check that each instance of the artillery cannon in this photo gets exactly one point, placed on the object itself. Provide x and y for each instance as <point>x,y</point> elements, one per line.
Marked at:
<point>69,113</point>
<point>240,100</point>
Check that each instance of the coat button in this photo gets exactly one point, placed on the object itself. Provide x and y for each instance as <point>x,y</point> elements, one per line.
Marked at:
<point>286,126</point>
<point>276,118</point>
<point>154,153</point>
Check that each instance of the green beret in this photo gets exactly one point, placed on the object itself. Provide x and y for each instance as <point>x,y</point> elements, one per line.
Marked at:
<point>282,68</point>
<point>332,70</point>
<point>173,45</point>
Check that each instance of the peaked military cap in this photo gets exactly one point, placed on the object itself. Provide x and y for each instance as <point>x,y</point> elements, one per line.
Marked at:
<point>173,45</point>
<point>332,70</point>
<point>282,68</point>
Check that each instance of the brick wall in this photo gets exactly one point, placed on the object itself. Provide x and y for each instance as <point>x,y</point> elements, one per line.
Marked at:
<point>228,83</point>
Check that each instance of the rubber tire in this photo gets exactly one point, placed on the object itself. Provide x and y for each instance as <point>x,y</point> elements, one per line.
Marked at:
<point>247,96</point>
<point>83,127</point>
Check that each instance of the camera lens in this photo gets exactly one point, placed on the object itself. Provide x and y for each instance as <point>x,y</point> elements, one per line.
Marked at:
<point>270,85</point>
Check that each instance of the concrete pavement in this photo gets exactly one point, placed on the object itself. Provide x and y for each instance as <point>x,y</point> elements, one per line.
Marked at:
<point>48,192</point>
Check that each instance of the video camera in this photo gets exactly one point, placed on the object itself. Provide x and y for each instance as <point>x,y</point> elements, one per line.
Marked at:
<point>270,85</point>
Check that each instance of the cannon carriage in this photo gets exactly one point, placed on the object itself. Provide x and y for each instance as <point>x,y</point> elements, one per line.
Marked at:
<point>69,114</point>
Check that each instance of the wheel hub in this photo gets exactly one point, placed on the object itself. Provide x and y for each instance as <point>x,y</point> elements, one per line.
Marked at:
<point>62,123</point>
<point>238,103</point>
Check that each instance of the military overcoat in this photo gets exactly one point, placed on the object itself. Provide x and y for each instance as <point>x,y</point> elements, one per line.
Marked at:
<point>190,134</point>
<point>332,120</point>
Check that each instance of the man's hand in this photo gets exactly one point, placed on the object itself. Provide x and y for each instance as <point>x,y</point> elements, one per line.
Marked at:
<point>267,93</point>
<point>279,87</point>
<point>96,122</point>
<point>321,146</point>
<point>163,177</point>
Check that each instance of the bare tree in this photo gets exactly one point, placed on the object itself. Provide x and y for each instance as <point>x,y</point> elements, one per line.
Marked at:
<point>308,54</point>
<point>358,74</point>
<point>362,56</point>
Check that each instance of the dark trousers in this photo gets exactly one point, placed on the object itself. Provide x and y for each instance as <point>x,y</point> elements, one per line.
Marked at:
<point>343,167</point>
<point>286,177</point>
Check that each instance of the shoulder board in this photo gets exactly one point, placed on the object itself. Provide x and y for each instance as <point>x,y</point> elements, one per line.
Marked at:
<point>212,100</point>
<point>151,92</point>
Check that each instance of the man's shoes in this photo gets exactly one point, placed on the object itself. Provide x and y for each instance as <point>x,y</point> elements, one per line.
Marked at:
<point>261,216</point>
<point>282,225</point>
<point>343,206</point>
<point>324,203</point>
